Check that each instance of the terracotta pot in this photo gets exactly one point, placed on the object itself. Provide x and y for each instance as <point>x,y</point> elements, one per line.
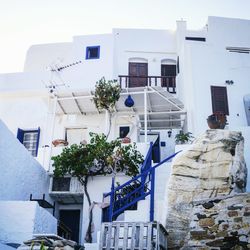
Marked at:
<point>217,121</point>
<point>126,140</point>
<point>59,142</point>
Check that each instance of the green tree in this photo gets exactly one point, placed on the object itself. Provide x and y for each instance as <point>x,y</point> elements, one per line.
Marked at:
<point>107,93</point>
<point>99,157</point>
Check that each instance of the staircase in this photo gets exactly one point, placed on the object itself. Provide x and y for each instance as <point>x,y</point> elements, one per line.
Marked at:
<point>140,188</point>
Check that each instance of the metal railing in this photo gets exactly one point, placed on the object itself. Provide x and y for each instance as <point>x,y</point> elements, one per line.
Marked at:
<point>168,82</point>
<point>125,196</point>
<point>133,235</point>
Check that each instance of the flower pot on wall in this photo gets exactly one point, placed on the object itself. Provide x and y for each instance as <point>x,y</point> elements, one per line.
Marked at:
<point>217,120</point>
<point>59,142</point>
<point>126,140</point>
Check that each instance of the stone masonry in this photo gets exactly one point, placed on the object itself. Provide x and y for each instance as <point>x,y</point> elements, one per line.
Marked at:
<point>212,169</point>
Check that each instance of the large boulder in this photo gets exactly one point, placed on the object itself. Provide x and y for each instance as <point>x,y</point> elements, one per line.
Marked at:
<point>213,166</point>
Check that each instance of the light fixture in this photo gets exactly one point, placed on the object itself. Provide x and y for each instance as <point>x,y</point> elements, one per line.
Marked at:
<point>229,82</point>
<point>169,133</point>
<point>129,102</point>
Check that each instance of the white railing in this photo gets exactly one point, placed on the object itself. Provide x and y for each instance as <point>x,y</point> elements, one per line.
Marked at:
<point>133,235</point>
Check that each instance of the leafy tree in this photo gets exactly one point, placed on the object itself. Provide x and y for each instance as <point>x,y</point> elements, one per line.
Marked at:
<point>107,93</point>
<point>99,157</point>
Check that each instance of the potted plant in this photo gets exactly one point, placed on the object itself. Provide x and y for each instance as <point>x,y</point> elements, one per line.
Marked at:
<point>217,120</point>
<point>182,138</point>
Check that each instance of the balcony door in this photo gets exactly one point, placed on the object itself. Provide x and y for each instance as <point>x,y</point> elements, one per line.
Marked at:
<point>169,74</point>
<point>138,73</point>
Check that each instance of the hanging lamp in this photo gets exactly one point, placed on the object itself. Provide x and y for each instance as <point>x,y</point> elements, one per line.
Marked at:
<point>129,102</point>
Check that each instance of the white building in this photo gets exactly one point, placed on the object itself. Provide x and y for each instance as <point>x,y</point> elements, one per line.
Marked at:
<point>176,79</point>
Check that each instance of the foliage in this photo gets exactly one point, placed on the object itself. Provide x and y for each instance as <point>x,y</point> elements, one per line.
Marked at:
<point>107,93</point>
<point>182,138</point>
<point>99,157</point>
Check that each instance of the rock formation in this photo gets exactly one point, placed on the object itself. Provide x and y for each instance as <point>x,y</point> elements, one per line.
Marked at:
<point>213,167</point>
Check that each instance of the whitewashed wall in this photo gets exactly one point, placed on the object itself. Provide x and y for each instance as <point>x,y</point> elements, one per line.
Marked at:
<point>19,220</point>
<point>21,175</point>
<point>88,72</point>
<point>135,44</point>
<point>42,57</point>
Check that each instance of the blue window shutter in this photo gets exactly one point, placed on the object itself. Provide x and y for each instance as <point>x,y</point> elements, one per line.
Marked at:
<point>20,134</point>
<point>38,137</point>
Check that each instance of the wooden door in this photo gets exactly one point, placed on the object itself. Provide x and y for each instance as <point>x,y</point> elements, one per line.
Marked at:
<point>169,74</point>
<point>219,99</point>
<point>71,218</point>
<point>138,74</point>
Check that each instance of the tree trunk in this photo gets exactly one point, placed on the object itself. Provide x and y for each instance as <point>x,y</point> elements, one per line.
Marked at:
<point>88,236</point>
<point>110,122</point>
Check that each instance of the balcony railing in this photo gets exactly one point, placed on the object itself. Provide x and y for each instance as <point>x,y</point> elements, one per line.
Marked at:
<point>168,82</point>
<point>133,236</point>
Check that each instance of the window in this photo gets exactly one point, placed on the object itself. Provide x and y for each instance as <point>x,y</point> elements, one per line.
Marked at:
<point>238,49</point>
<point>61,184</point>
<point>219,99</point>
<point>75,135</point>
<point>124,131</point>
<point>198,39</point>
<point>30,139</point>
<point>93,52</point>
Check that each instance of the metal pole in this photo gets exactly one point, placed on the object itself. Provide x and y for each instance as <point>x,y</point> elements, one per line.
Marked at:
<point>52,129</point>
<point>152,195</point>
<point>112,199</point>
<point>145,117</point>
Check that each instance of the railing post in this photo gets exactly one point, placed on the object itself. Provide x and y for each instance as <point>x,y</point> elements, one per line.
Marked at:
<point>111,204</point>
<point>120,80</point>
<point>152,194</point>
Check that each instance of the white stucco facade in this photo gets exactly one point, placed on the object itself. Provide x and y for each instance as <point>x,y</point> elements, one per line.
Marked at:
<point>44,96</point>
<point>19,220</point>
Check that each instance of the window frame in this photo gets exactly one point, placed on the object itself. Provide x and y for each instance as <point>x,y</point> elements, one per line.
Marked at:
<point>92,47</point>
<point>123,126</point>
<point>214,101</point>
<point>22,132</point>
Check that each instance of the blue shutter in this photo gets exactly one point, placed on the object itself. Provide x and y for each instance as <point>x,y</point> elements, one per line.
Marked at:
<point>20,134</point>
<point>37,142</point>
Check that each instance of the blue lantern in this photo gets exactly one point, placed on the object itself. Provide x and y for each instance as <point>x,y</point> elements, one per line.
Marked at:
<point>129,102</point>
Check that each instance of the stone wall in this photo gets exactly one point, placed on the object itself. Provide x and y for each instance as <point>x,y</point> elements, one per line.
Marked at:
<point>213,167</point>
<point>220,223</point>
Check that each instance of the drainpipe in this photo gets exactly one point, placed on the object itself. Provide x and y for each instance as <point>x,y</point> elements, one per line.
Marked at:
<point>52,129</point>
<point>145,117</point>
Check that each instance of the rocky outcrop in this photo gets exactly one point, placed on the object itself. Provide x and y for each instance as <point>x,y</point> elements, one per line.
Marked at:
<point>214,166</point>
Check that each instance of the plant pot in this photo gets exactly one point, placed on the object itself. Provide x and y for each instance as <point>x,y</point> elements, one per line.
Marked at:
<point>59,142</point>
<point>126,140</point>
<point>217,121</point>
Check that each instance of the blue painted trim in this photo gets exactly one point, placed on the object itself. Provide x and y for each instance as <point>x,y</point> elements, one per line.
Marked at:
<point>140,175</point>
<point>112,197</point>
<point>117,203</point>
<point>152,196</point>
<point>131,203</point>
<point>92,47</point>
<point>38,138</point>
<point>20,134</point>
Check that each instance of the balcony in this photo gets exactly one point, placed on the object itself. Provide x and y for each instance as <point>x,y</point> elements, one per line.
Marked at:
<point>168,82</point>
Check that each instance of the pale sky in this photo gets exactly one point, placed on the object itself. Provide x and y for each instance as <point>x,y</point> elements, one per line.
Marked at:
<point>27,22</point>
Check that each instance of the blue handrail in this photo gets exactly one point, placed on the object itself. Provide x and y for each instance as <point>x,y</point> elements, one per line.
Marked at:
<point>139,186</point>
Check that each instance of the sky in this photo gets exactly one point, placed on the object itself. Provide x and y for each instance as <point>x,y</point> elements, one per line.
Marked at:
<point>27,22</point>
